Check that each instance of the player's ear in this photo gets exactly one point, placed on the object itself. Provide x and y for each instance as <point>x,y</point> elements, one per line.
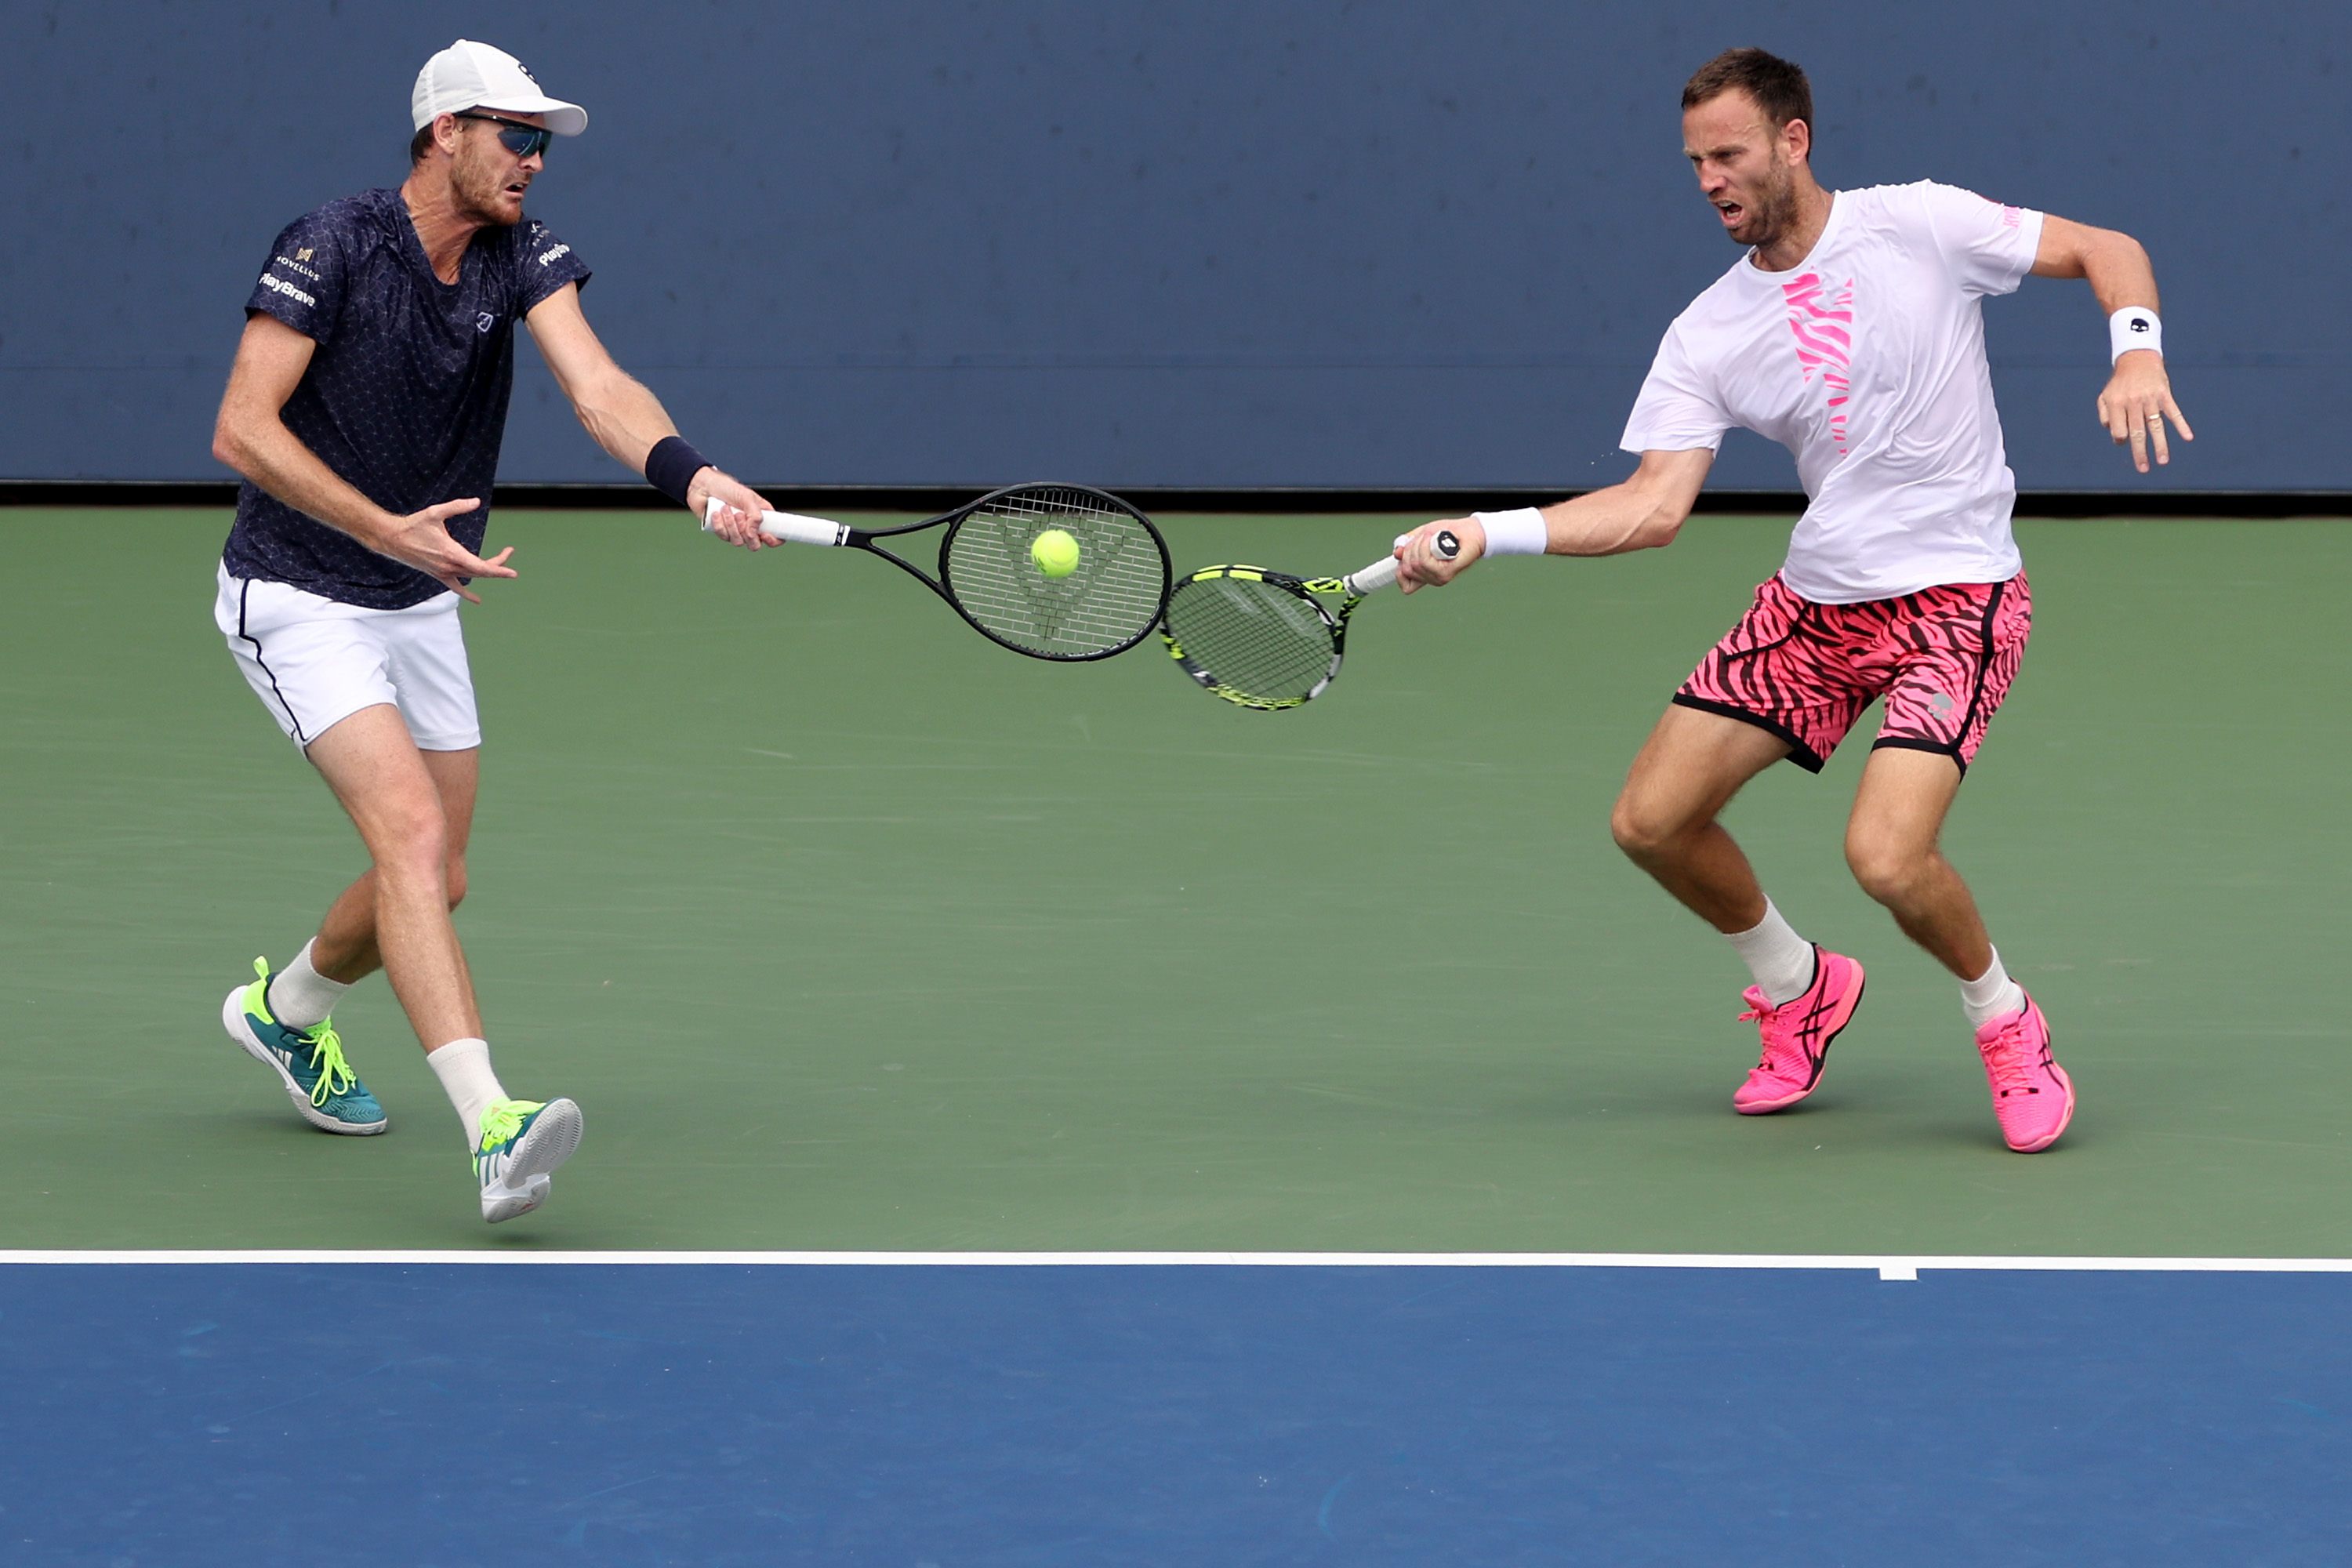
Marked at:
<point>1797,141</point>
<point>445,132</point>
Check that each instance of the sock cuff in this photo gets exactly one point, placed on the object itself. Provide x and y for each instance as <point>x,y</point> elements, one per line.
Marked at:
<point>1991,994</point>
<point>1782,961</point>
<point>464,1069</point>
<point>299,995</point>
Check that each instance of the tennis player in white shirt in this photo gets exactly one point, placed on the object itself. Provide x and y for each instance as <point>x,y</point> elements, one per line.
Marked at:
<point>1850,331</point>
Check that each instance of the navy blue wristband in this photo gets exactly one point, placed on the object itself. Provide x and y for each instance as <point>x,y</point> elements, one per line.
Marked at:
<point>671,466</point>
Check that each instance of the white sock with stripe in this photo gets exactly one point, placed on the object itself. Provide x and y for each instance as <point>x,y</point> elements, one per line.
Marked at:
<point>1780,960</point>
<point>299,996</point>
<point>1991,994</point>
<point>464,1069</point>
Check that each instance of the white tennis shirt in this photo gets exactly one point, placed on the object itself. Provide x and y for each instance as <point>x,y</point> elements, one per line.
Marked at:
<point>1867,361</point>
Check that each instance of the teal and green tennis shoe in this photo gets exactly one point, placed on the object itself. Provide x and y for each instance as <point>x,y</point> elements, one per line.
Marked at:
<point>522,1143</point>
<point>310,1062</point>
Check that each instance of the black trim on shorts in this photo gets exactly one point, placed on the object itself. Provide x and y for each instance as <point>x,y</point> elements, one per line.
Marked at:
<point>1905,743</point>
<point>1984,666</point>
<point>1801,754</point>
<point>245,586</point>
<point>1976,696</point>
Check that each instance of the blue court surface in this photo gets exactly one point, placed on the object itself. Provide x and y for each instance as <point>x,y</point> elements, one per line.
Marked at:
<point>1115,1410</point>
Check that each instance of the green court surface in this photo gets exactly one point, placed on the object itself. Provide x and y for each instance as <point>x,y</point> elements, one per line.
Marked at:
<point>851,931</point>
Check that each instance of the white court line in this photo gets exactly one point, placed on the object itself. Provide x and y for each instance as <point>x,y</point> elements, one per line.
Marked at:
<point>1887,1267</point>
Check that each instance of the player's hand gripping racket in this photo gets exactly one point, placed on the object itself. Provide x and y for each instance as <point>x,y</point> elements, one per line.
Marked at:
<point>1265,640</point>
<point>1031,594</point>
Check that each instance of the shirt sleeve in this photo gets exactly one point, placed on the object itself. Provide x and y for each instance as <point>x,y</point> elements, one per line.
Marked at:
<point>1986,247</point>
<point>1677,410</point>
<point>303,283</point>
<point>545,263</point>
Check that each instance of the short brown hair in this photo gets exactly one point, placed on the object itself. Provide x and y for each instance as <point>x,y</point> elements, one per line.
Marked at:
<point>1777,86</point>
<point>420,145</point>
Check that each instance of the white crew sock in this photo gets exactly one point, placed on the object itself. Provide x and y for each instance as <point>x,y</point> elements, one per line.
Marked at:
<point>299,996</point>
<point>1782,960</point>
<point>1991,994</point>
<point>464,1069</point>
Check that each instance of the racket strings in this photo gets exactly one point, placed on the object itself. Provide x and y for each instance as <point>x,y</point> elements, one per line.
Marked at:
<point>1257,642</point>
<point>1112,598</point>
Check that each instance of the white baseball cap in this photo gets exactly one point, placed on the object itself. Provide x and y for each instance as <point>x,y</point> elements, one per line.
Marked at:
<point>468,75</point>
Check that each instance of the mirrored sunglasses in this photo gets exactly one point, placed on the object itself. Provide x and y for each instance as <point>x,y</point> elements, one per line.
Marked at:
<point>515,137</point>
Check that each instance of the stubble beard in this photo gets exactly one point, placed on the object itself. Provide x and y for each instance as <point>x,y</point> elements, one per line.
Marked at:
<point>480,190</point>
<point>1774,212</point>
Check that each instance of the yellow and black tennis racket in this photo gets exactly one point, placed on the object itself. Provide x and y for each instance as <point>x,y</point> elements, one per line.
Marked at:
<point>1265,640</point>
<point>1105,603</point>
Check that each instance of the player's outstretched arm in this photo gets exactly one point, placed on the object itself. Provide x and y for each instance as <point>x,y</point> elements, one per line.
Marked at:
<point>628,420</point>
<point>251,436</point>
<point>2138,398</point>
<point>1643,513</point>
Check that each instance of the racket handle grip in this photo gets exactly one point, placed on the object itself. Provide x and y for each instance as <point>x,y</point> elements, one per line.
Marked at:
<point>788,526</point>
<point>1381,574</point>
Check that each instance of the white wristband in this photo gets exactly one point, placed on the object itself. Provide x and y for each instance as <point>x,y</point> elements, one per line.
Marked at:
<point>1520,531</point>
<point>2134,327</point>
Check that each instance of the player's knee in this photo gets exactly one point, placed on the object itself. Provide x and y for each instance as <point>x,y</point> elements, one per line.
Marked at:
<point>456,880</point>
<point>1885,868</point>
<point>1640,830</point>
<point>410,840</point>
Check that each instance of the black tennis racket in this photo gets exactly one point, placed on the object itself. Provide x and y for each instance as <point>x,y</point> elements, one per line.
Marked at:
<point>1105,603</point>
<point>1265,640</point>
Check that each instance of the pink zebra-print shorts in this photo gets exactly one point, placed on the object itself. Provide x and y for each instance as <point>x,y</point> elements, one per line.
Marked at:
<point>1943,658</point>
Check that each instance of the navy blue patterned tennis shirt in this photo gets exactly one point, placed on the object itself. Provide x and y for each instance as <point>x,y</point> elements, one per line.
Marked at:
<point>406,396</point>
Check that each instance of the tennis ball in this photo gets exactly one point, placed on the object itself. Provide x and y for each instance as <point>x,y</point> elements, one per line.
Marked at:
<point>1055,552</point>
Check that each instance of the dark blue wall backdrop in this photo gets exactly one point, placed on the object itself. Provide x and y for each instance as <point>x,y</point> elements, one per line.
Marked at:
<point>1207,242</point>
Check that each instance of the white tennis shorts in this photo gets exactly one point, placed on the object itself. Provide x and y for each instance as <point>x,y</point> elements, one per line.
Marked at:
<point>314,662</point>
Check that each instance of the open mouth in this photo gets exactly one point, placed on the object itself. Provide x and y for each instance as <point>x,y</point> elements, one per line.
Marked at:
<point>1732,213</point>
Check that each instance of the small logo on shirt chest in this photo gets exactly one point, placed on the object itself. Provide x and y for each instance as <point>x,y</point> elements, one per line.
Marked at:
<point>482,323</point>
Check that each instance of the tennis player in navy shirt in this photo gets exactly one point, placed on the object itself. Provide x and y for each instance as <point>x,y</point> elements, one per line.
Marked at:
<point>365,409</point>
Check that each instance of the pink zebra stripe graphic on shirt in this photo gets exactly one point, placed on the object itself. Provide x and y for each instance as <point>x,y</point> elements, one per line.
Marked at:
<point>1823,325</point>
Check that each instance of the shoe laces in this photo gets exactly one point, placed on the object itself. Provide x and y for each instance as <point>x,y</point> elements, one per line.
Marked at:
<point>1761,1012</point>
<point>335,1075</point>
<point>2009,1061</point>
<point>502,1119</point>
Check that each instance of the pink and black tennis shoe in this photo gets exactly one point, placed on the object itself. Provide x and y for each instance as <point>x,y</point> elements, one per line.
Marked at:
<point>2032,1095</point>
<point>1797,1034</point>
